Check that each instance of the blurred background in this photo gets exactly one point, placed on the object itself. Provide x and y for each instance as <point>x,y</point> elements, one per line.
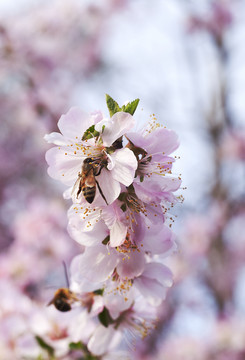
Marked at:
<point>185,60</point>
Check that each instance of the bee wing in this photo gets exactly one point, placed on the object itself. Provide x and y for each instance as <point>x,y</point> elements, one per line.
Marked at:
<point>76,188</point>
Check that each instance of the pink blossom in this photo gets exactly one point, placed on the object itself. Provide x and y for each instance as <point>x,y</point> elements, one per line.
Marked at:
<point>118,295</point>
<point>86,225</point>
<point>127,262</point>
<point>137,320</point>
<point>90,225</point>
<point>153,147</point>
<point>154,282</point>
<point>115,166</point>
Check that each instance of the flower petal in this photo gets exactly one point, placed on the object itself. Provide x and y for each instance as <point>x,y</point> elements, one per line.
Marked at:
<point>84,216</point>
<point>96,116</point>
<point>131,265</point>
<point>78,283</point>
<point>118,125</point>
<point>160,272</point>
<point>96,264</point>
<point>162,140</point>
<point>114,219</point>
<point>101,339</point>
<point>55,138</point>
<point>170,183</point>
<point>159,240</point>
<point>81,328</point>
<point>151,289</point>
<point>67,193</point>
<point>153,282</point>
<point>118,233</point>
<point>116,301</point>
<point>125,166</point>
<point>88,238</point>
<point>110,187</point>
<point>63,165</point>
<point>74,123</point>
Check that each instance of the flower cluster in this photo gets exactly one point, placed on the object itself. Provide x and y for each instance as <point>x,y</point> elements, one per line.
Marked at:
<point>121,185</point>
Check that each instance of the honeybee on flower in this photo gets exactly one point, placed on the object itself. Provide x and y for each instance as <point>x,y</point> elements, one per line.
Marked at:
<point>92,136</point>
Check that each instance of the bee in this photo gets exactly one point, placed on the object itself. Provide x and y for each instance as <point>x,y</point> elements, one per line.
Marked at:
<point>86,182</point>
<point>62,300</point>
<point>63,297</point>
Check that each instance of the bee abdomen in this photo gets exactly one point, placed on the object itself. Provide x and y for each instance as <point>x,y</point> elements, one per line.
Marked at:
<point>62,305</point>
<point>89,193</point>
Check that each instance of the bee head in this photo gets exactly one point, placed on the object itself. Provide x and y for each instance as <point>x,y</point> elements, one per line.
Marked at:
<point>87,161</point>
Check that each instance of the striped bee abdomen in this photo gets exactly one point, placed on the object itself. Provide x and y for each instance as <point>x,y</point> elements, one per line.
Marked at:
<point>89,193</point>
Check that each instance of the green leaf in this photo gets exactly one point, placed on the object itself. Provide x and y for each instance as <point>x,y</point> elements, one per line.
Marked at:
<point>112,105</point>
<point>90,133</point>
<point>86,354</point>
<point>44,345</point>
<point>40,357</point>
<point>106,240</point>
<point>122,196</point>
<point>105,317</point>
<point>77,346</point>
<point>131,107</point>
<point>98,292</point>
<point>123,207</point>
<point>130,189</point>
<point>91,357</point>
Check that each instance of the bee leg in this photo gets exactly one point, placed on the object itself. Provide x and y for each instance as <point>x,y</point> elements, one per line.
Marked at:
<point>101,192</point>
<point>98,173</point>
<point>66,274</point>
<point>51,302</point>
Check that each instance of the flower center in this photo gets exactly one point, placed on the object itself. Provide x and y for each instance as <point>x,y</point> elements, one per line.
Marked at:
<point>87,150</point>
